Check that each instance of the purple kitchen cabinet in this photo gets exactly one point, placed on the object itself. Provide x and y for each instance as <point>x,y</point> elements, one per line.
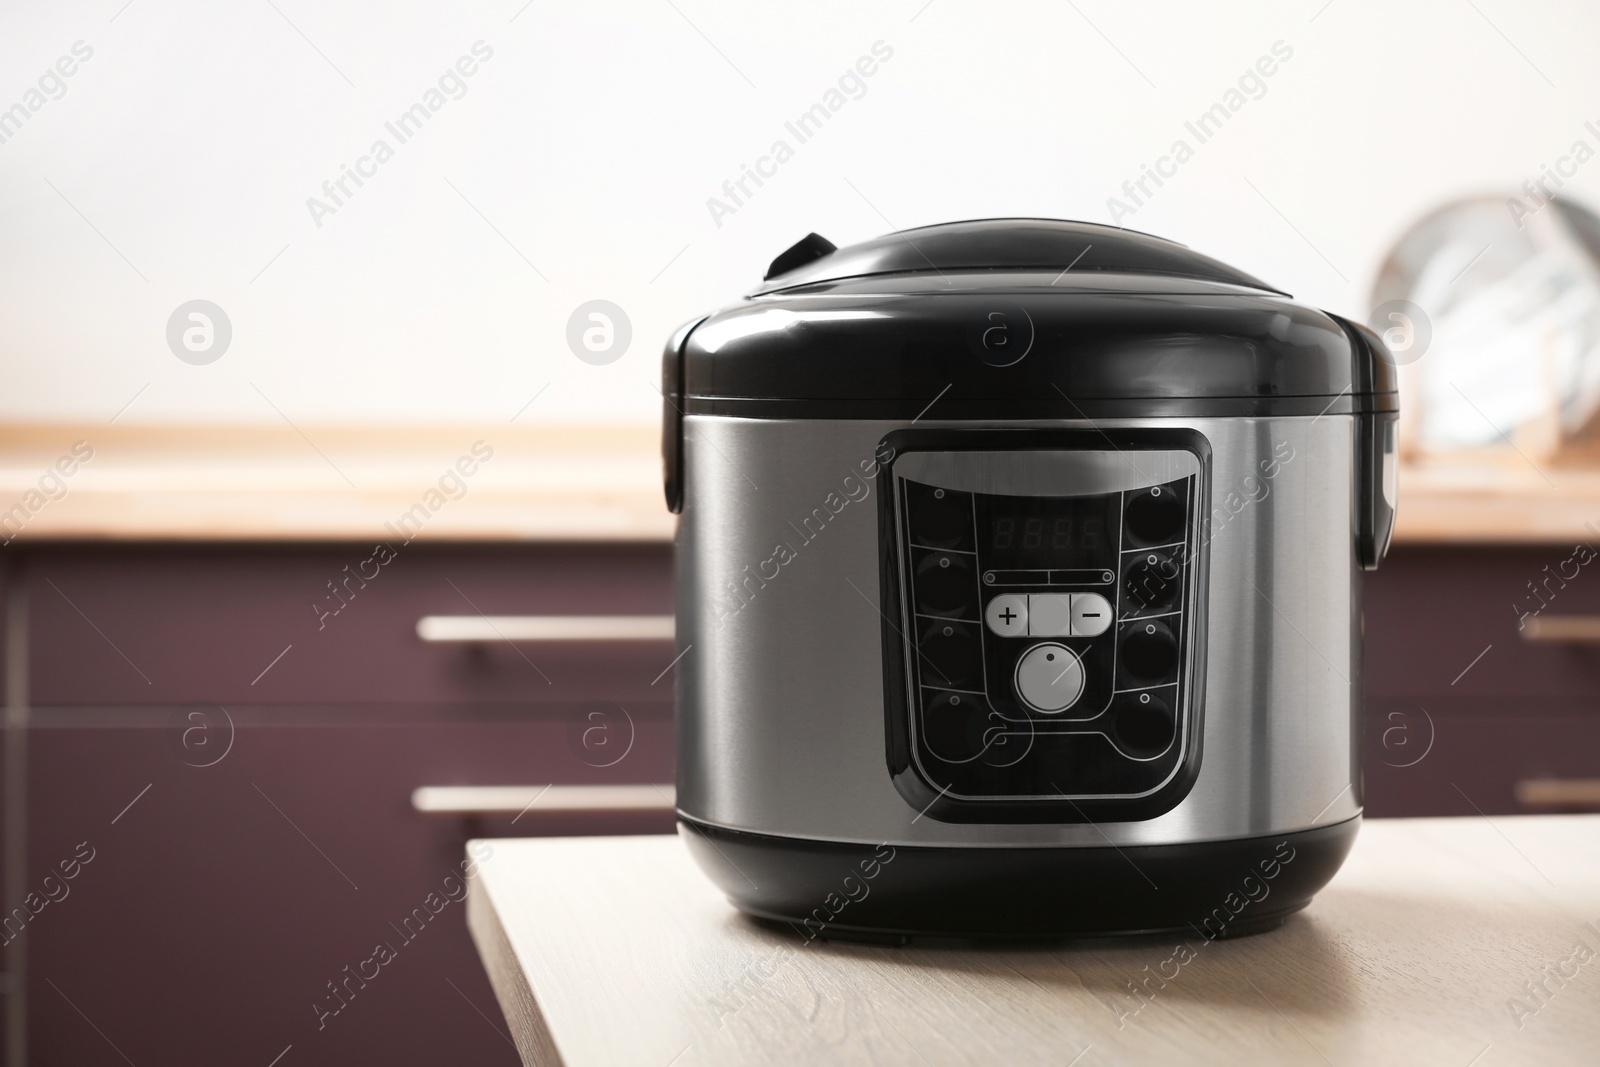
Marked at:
<point>250,835</point>
<point>204,624</point>
<point>1464,715</point>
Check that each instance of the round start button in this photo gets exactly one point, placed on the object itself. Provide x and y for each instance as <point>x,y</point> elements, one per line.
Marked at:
<point>1049,678</point>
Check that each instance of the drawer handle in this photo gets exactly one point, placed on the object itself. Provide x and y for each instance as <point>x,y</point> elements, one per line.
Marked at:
<point>1558,628</point>
<point>519,800</point>
<point>1566,794</point>
<point>483,629</point>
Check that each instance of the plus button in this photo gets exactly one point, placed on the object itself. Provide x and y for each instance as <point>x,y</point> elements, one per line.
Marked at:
<point>1007,615</point>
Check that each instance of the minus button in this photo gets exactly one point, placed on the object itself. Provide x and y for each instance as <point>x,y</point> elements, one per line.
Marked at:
<point>1091,614</point>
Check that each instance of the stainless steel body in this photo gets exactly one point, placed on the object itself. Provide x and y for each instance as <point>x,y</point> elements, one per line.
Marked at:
<point>781,690</point>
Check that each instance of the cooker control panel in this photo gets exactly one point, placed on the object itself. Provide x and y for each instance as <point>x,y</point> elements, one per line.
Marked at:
<point>1049,615</point>
<point>1049,606</point>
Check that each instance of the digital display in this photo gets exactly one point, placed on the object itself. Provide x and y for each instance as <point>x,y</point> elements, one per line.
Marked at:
<point>1048,532</point>
<point>1037,531</point>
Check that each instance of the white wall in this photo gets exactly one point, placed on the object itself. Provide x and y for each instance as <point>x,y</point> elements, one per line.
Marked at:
<point>592,138</point>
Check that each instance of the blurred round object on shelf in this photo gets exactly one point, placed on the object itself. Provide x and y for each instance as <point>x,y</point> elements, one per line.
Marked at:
<point>1490,307</point>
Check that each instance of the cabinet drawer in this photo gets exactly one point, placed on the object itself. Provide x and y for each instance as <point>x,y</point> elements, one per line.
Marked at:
<point>1420,763</point>
<point>331,624</point>
<point>293,852</point>
<point>1431,612</point>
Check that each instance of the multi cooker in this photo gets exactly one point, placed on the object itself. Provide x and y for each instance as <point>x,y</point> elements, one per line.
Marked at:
<point>1019,585</point>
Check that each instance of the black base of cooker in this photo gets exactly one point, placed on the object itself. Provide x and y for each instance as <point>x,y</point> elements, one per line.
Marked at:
<point>890,893</point>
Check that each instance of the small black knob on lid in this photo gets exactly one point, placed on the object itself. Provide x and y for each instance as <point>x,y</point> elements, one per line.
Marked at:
<point>808,249</point>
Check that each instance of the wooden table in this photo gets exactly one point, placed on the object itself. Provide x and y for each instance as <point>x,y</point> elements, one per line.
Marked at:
<point>618,951</point>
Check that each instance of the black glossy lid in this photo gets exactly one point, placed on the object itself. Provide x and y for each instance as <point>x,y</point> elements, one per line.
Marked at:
<point>998,245</point>
<point>1019,318</point>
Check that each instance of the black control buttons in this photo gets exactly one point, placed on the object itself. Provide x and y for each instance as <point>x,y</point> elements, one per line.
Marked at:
<point>1148,652</point>
<point>940,518</point>
<point>1151,583</point>
<point>951,654</point>
<point>1044,633</point>
<point>945,585</point>
<point>956,726</point>
<point>1143,725</point>
<point>1154,516</point>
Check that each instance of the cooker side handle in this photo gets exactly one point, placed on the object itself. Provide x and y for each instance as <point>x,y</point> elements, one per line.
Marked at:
<point>672,414</point>
<point>1374,382</point>
<point>1379,477</point>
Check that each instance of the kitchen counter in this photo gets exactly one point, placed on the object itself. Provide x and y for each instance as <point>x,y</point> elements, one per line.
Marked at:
<point>207,483</point>
<point>1452,941</point>
<point>1494,497</point>
<point>583,483</point>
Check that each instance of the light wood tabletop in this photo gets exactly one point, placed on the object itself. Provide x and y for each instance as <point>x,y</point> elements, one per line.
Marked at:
<point>1442,941</point>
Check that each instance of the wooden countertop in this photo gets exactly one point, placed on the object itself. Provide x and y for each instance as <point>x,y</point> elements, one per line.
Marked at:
<point>321,484</point>
<point>617,950</point>
<point>1494,496</point>
<point>229,483</point>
